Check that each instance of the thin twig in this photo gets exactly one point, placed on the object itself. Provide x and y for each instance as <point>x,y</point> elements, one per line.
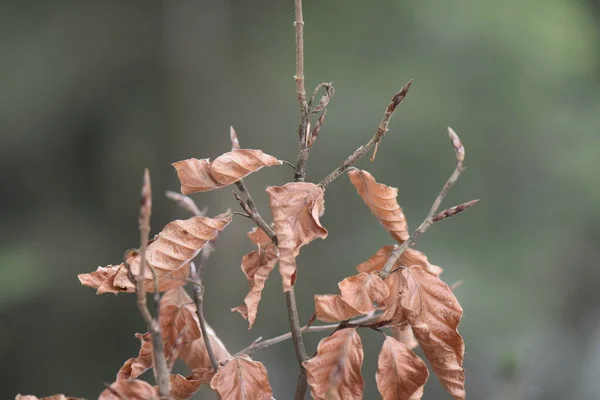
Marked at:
<point>248,205</point>
<point>198,288</point>
<point>186,203</point>
<point>292,309</point>
<point>161,369</point>
<point>381,130</point>
<point>261,344</point>
<point>430,219</point>
<point>304,149</point>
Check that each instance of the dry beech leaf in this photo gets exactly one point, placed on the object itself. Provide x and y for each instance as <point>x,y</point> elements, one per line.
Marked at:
<point>170,253</point>
<point>179,326</point>
<point>185,387</point>
<point>296,209</point>
<point>331,308</point>
<point>401,374</point>
<point>257,265</point>
<point>242,379</point>
<point>54,397</point>
<point>404,335</point>
<point>409,258</point>
<point>381,200</point>
<point>360,294</point>
<point>434,314</point>
<point>130,390</point>
<point>334,373</point>
<point>364,292</point>
<point>203,175</point>
<point>195,356</point>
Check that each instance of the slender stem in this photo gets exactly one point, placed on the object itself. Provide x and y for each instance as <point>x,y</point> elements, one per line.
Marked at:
<point>248,205</point>
<point>198,288</point>
<point>301,385</point>
<point>261,344</point>
<point>429,220</point>
<point>290,298</point>
<point>161,369</point>
<point>304,149</point>
<point>381,130</point>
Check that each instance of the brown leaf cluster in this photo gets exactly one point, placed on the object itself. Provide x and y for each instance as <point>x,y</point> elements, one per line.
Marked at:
<point>359,294</point>
<point>296,209</point>
<point>54,397</point>
<point>182,339</point>
<point>381,200</point>
<point>169,255</point>
<point>242,379</point>
<point>257,265</point>
<point>203,175</point>
<point>334,373</point>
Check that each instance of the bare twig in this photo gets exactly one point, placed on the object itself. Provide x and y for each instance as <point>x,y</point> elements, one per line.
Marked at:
<point>381,130</point>
<point>248,205</point>
<point>304,149</point>
<point>186,203</point>
<point>430,219</point>
<point>261,344</point>
<point>161,370</point>
<point>292,309</point>
<point>198,288</point>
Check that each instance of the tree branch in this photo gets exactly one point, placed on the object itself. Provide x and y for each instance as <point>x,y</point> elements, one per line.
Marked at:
<point>381,130</point>
<point>431,216</point>
<point>248,205</point>
<point>304,149</point>
<point>198,288</point>
<point>161,370</point>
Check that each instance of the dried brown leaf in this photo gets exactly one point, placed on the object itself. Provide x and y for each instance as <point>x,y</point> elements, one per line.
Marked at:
<point>434,314</point>
<point>404,335</point>
<point>195,356</point>
<point>242,379</point>
<point>169,254</point>
<point>331,308</point>
<point>257,265</point>
<point>334,373</point>
<point>364,292</point>
<point>401,374</point>
<point>409,258</point>
<point>296,209</point>
<point>179,326</point>
<point>53,397</point>
<point>381,200</point>
<point>130,390</point>
<point>203,175</point>
<point>185,387</point>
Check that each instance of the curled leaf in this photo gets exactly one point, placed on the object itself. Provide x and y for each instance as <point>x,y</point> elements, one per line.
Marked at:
<point>401,374</point>
<point>404,335</point>
<point>185,387</point>
<point>381,200</point>
<point>179,326</point>
<point>331,308</point>
<point>296,209</point>
<point>130,390</point>
<point>242,379</point>
<point>360,294</point>
<point>169,254</point>
<point>434,314</point>
<point>257,265</point>
<point>203,175</point>
<point>409,258</point>
<point>195,356</point>
<point>334,373</point>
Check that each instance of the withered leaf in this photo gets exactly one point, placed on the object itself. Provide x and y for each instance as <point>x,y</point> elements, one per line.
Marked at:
<point>242,379</point>
<point>257,265</point>
<point>409,258</point>
<point>170,253</point>
<point>185,387</point>
<point>334,373</point>
<point>331,308</point>
<point>203,175</point>
<point>404,334</point>
<point>130,390</point>
<point>381,200</point>
<point>179,326</point>
<point>53,397</point>
<point>364,292</point>
<point>296,209</point>
<point>401,374</point>
<point>195,356</point>
<point>434,314</point>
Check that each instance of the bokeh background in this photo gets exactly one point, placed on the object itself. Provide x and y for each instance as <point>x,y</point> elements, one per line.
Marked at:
<point>94,91</point>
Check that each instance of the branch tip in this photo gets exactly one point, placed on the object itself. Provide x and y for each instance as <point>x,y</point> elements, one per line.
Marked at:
<point>459,149</point>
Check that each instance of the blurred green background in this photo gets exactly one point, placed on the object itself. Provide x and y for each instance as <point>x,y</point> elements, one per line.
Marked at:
<point>94,91</point>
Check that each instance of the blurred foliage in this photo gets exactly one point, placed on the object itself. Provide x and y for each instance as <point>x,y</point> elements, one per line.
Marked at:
<point>92,92</point>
